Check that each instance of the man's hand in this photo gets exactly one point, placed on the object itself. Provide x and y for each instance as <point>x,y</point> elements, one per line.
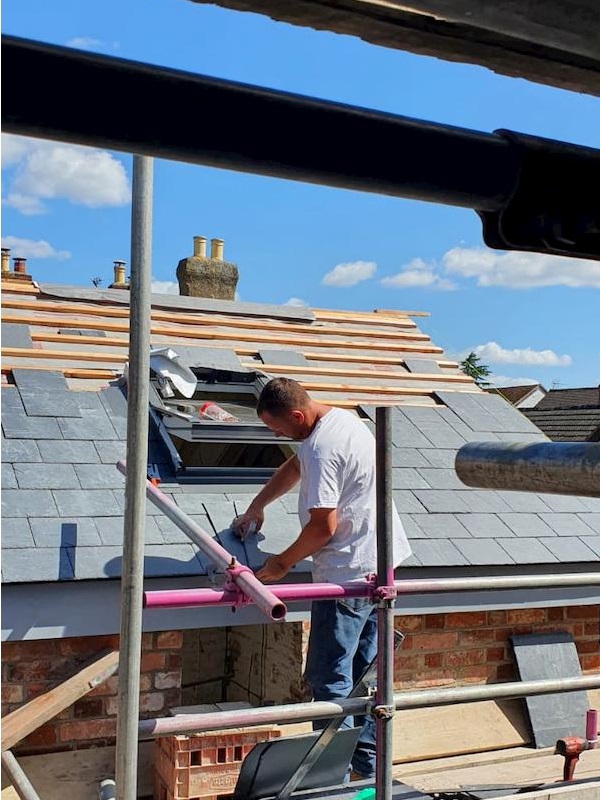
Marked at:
<point>273,569</point>
<point>249,522</point>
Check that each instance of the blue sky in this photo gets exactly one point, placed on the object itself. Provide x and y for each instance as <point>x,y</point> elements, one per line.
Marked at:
<point>67,208</point>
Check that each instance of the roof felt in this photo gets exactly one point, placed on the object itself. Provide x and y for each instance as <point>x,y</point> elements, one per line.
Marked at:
<point>63,503</point>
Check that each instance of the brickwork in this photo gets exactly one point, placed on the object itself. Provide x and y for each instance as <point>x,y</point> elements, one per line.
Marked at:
<point>31,668</point>
<point>474,647</point>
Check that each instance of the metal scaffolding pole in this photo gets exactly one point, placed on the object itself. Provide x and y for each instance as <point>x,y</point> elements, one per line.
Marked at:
<point>551,467</point>
<point>385,591</point>
<point>132,577</point>
<point>304,712</point>
<point>21,783</point>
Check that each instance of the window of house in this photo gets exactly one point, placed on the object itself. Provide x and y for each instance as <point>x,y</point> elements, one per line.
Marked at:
<point>208,451</point>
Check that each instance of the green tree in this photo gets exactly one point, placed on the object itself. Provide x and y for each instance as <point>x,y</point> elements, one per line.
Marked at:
<point>473,367</point>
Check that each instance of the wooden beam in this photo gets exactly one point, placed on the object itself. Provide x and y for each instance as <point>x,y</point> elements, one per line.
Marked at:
<point>115,312</point>
<point>68,372</point>
<point>20,723</point>
<point>19,287</point>
<point>391,312</point>
<point>362,318</point>
<point>107,341</point>
<point>194,333</point>
<point>280,369</point>
<point>315,386</point>
<point>64,355</point>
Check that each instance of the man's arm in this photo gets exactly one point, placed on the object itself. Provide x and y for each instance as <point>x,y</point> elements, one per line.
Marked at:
<point>313,537</point>
<point>286,477</point>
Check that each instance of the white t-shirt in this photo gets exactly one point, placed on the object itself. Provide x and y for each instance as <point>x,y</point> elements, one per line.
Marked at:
<point>337,468</point>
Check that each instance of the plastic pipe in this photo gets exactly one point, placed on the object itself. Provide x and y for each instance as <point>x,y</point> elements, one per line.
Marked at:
<point>248,583</point>
<point>591,727</point>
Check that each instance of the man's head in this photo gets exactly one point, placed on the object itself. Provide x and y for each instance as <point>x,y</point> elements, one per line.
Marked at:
<point>286,408</point>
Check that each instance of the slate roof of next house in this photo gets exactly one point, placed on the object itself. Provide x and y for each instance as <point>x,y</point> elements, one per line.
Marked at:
<point>63,429</point>
<point>568,415</point>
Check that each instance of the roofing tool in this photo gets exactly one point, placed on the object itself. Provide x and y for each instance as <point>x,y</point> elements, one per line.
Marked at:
<point>571,747</point>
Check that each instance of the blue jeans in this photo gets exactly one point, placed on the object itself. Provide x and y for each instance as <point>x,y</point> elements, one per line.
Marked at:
<point>342,642</point>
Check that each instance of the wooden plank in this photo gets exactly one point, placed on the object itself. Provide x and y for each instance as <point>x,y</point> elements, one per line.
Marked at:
<point>20,723</point>
<point>391,312</point>
<point>75,774</point>
<point>432,377</point>
<point>72,355</point>
<point>107,341</point>
<point>68,372</point>
<point>362,317</point>
<point>116,312</point>
<point>191,333</point>
<point>414,391</point>
<point>19,287</point>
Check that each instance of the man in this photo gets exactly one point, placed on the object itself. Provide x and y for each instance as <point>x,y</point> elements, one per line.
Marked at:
<point>335,464</point>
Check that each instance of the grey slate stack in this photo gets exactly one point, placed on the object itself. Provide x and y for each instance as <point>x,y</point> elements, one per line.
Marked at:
<point>14,335</point>
<point>549,656</point>
<point>44,394</point>
<point>285,357</point>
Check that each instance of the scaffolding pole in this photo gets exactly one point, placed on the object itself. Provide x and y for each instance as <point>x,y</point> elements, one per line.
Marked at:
<point>325,709</point>
<point>384,594</point>
<point>132,572</point>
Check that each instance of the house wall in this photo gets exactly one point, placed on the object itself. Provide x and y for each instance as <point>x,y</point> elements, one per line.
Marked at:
<point>264,664</point>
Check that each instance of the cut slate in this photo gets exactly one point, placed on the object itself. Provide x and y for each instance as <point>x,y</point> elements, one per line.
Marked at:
<point>441,459</point>
<point>441,526</point>
<point>424,366</point>
<point>290,358</point>
<point>441,500</point>
<point>566,524</point>
<point>507,415</point>
<point>85,503</point>
<point>437,553</point>
<point>408,457</point>
<point>14,335</point>
<point>39,564</point>
<point>483,501</point>
<point>471,412</point>
<point>485,526</point>
<point>565,503</point>
<point>407,478</point>
<point>591,520</point>
<point>523,501</point>
<point>99,476</point>
<point>25,451</point>
<point>16,533</point>
<point>483,551</point>
<point>28,503</point>
<point>569,549</point>
<point>63,451</point>
<point>221,358</point>
<point>17,425</point>
<point>66,532</point>
<point>46,476</point>
<point>45,394</point>
<point>110,452</point>
<point>593,542</point>
<point>526,525</point>
<point>9,480</point>
<point>93,425</point>
<point>110,530</point>
<point>81,332</point>
<point>551,656</point>
<point>441,478</point>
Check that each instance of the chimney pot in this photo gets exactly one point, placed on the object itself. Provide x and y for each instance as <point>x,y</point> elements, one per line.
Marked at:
<point>6,259</point>
<point>216,249</point>
<point>20,265</point>
<point>199,247</point>
<point>119,273</point>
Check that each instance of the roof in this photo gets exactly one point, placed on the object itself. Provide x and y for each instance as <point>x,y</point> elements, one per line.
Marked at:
<point>568,415</point>
<point>570,398</point>
<point>63,429</point>
<point>514,394</point>
<point>548,42</point>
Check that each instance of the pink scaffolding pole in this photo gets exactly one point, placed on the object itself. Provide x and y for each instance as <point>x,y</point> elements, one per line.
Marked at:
<point>238,574</point>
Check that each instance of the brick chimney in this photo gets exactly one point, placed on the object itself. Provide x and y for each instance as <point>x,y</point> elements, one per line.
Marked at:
<point>200,276</point>
<point>119,281</point>
<point>6,259</point>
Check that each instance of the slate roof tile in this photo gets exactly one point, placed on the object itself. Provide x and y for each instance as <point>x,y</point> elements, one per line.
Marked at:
<point>567,524</point>
<point>527,525</point>
<point>483,551</point>
<point>16,533</point>
<point>527,550</point>
<point>437,553</point>
<point>485,526</point>
<point>569,549</point>
<point>65,532</point>
<point>46,476</point>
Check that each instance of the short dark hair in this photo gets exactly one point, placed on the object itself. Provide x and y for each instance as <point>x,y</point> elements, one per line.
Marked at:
<point>281,394</point>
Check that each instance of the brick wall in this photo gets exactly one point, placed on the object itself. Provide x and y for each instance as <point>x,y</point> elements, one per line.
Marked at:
<point>474,647</point>
<point>30,668</point>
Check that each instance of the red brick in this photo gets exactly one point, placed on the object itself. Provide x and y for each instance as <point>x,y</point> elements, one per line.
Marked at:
<point>88,729</point>
<point>468,619</point>
<point>592,629</point>
<point>578,629</point>
<point>435,621</point>
<point>590,662</point>
<point>462,658</point>
<point>174,661</point>
<point>87,708</point>
<point>481,636</point>
<point>556,614</point>
<point>169,640</point>
<point>520,616</point>
<point>147,641</point>
<point>582,612</point>
<point>435,641</point>
<point>12,651</point>
<point>409,623</point>
<point>152,701</point>
<point>87,645</point>
<point>12,693</point>
<point>478,673</point>
<point>433,660</point>
<point>172,697</point>
<point>496,618</point>
<point>495,654</point>
<point>110,686</point>
<point>167,680</point>
<point>502,635</point>
<point>153,660</point>
<point>587,647</point>
<point>424,680</point>
<point>30,671</point>
<point>42,737</point>
<point>406,663</point>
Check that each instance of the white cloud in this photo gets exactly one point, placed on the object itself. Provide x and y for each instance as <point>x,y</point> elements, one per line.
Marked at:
<point>296,301</point>
<point>417,273</point>
<point>519,270</point>
<point>13,149</point>
<point>49,170</point>
<point>350,274</point>
<point>506,380</point>
<point>89,43</point>
<point>27,248</point>
<point>164,287</point>
<point>493,353</point>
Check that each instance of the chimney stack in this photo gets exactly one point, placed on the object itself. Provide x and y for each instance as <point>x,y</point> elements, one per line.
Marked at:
<point>20,265</point>
<point>212,277</point>
<point>6,259</point>
<point>119,281</point>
